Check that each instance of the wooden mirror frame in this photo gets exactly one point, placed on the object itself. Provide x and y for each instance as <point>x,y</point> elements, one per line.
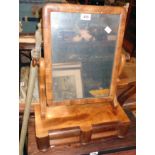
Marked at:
<point>48,44</point>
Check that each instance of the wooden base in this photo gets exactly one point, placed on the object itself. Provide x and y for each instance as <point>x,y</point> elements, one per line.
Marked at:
<point>79,124</point>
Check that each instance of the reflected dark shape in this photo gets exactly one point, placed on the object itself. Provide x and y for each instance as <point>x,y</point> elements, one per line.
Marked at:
<point>89,42</point>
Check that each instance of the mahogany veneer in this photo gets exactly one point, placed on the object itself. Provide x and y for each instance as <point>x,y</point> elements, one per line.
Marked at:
<point>84,119</point>
<point>79,123</point>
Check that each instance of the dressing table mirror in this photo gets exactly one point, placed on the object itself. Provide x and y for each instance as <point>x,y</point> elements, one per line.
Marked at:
<point>78,75</point>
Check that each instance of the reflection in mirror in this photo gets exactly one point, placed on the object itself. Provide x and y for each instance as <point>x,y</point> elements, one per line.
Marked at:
<point>83,47</point>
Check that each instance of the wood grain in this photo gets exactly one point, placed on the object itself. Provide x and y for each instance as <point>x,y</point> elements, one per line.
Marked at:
<point>128,75</point>
<point>80,9</point>
<point>42,94</point>
<point>76,120</point>
<point>95,121</point>
<point>111,144</point>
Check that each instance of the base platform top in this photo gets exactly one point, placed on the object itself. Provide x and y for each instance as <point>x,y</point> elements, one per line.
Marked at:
<point>60,117</point>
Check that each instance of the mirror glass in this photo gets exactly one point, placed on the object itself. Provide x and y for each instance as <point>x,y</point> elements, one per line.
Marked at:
<point>83,47</point>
